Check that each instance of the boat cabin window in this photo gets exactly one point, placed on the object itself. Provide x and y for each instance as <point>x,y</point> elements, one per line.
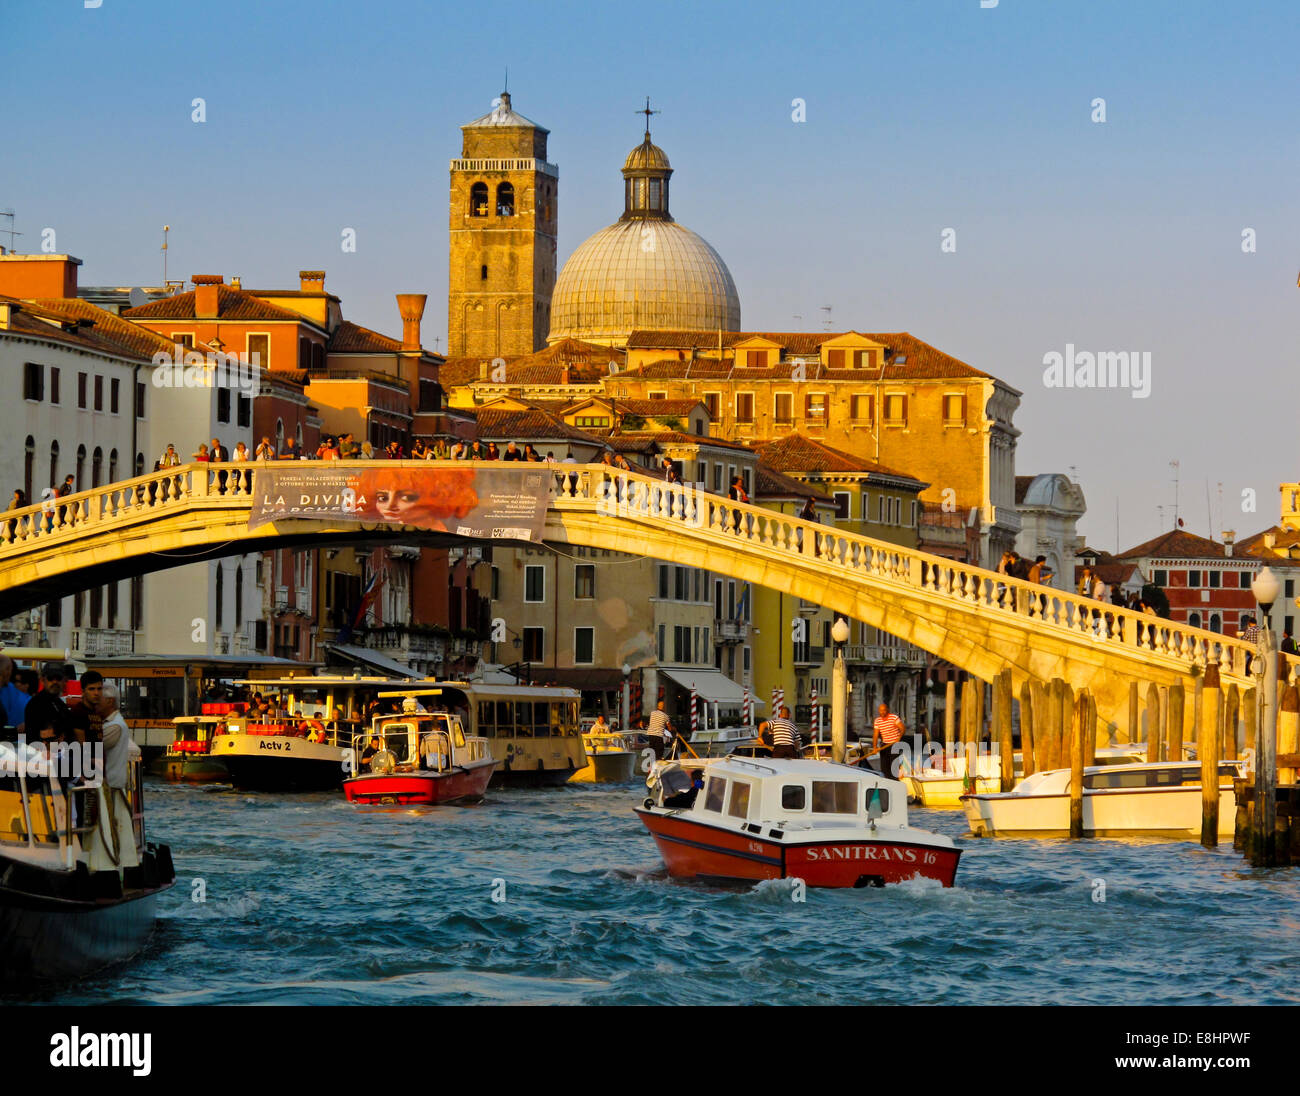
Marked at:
<point>878,796</point>
<point>458,734</point>
<point>1142,778</point>
<point>713,795</point>
<point>487,719</point>
<point>834,797</point>
<point>794,797</point>
<point>397,741</point>
<point>738,807</point>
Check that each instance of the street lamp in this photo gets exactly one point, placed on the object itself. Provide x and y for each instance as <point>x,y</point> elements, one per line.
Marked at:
<point>1265,588</point>
<point>627,698</point>
<point>839,693</point>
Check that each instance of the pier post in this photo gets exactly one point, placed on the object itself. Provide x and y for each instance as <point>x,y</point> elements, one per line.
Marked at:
<point>1207,749</point>
<point>1041,725</point>
<point>1174,723</point>
<point>1264,845</point>
<point>1231,714</point>
<point>1153,722</point>
<point>1250,716</point>
<point>949,717</point>
<point>1066,728</point>
<point>1134,713</point>
<point>1288,731</point>
<point>1028,712</point>
<point>1078,741</point>
<point>1002,728</point>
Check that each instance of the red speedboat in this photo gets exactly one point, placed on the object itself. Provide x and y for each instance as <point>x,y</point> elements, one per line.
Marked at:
<point>829,825</point>
<point>418,759</point>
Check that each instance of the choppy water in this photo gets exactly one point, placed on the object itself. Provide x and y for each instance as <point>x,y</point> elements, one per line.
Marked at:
<point>311,900</point>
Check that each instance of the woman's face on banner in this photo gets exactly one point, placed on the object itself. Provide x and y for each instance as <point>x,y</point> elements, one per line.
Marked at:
<point>399,507</point>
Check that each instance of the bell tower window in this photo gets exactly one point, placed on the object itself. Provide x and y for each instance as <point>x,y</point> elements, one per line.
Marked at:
<point>505,200</point>
<point>478,200</point>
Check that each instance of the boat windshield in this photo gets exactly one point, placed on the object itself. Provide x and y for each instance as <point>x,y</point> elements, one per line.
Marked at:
<point>834,797</point>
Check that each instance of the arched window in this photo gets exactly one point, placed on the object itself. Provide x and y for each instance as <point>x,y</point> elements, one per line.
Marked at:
<point>139,464</point>
<point>304,352</point>
<point>221,595</point>
<point>478,200</point>
<point>279,435</point>
<point>96,469</point>
<point>483,272</point>
<point>505,200</point>
<point>81,464</point>
<point>1193,620</point>
<point>112,466</point>
<point>297,436</point>
<point>29,466</point>
<point>1216,625</point>
<point>54,464</point>
<point>239,597</point>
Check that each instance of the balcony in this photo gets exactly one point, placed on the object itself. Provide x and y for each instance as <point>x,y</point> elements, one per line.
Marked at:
<point>103,641</point>
<point>730,631</point>
<point>806,655</point>
<point>875,654</point>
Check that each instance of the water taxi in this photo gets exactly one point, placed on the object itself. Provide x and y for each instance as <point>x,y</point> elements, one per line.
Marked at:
<point>610,759</point>
<point>827,824</point>
<point>189,758</point>
<point>423,758</point>
<point>282,755</point>
<point>1150,799</point>
<point>79,884</point>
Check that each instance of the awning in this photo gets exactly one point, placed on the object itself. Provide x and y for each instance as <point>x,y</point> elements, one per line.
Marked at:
<point>360,656</point>
<point>713,685</point>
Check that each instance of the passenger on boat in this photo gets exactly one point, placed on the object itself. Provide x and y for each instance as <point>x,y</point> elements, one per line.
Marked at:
<point>785,735</point>
<point>433,754</point>
<point>660,730</point>
<point>86,721</point>
<point>47,718</point>
<point>686,797</point>
<point>372,748</point>
<point>119,749</point>
<point>600,726</point>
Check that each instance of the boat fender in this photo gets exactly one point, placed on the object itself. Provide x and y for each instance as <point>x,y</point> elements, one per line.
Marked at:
<point>649,803</point>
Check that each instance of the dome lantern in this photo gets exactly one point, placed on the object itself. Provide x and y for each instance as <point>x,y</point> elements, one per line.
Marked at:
<point>645,178</point>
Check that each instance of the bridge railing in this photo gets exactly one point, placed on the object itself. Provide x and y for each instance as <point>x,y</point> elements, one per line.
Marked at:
<point>604,490</point>
<point>1108,625</point>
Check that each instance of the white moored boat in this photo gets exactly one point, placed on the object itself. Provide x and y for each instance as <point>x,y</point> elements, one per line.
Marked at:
<point>1157,799</point>
<point>941,781</point>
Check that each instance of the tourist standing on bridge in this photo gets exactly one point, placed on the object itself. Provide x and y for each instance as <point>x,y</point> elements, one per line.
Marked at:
<point>289,449</point>
<point>785,735</point>
<point>737,493</point>
<point>170,458</point>
<point>887,732</point>
<point>660,730</point>
<point>265,450</point>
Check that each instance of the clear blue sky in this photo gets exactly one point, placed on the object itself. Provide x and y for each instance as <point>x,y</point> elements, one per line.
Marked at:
<point>921,115</point>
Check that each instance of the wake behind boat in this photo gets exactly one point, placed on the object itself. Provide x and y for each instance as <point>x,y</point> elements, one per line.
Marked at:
<point>827,824</point>
<point>1151,799</point>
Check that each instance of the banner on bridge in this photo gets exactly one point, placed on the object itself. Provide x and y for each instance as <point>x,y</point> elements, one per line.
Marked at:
<point>487,503</point>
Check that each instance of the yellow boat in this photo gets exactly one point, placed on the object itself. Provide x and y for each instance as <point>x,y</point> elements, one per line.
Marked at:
<point>611,759</point>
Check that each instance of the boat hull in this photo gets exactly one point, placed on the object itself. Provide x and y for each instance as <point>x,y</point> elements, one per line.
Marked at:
<point>523,777</point>
<point>945,791</point>
<point>1147,812</point>
<point>691,850</point>
<point>608,767</point>
<point>185,769</point>
<point>278,763</point>
<point>459,785</point>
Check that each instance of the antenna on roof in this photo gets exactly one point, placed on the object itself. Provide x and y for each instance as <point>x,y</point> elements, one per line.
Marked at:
<point>827,321</point>
<point>166,229</point>
<point>11,215</point>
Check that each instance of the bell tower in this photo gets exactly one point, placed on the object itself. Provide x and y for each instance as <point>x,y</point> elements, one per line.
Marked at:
<point>503,234</point>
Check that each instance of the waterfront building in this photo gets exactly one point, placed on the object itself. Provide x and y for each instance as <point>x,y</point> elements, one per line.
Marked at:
<point>1050,506</point>
<point>1206,582</point>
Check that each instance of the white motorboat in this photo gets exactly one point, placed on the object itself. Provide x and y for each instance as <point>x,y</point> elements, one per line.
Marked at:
<point>1150,799</point>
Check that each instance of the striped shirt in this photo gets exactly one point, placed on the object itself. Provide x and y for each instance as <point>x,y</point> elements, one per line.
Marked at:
<point>889,727</point>
<point>784,732</point>
<point>658,724</point>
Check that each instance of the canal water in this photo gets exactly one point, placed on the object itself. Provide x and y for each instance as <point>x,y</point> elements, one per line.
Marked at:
<point>558,896</point>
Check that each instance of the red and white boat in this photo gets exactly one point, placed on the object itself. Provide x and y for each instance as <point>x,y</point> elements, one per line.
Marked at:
<point>829,825</point>
<point>419,758</point>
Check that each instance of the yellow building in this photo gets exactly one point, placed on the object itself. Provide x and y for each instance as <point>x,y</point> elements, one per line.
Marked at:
<point>863,498</point>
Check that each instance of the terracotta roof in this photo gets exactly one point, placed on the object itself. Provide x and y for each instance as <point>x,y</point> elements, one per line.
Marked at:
<point>1176,544</point>
<point>687,439</point>
<point>501,426</point>
<point>653,409</point>
<point>769,483</point>
<point>232,305</point>
<point>1284,542</point>
<point>1112,574</point>
<point>796,453</point>
<point>632,443</point>
<point>352,338</point>
<point>920,360</point>
<point>588,363</point>
<point>105,333</point>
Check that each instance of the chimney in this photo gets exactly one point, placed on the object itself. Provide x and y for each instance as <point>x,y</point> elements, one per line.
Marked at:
<point>7,310</point>
<point>565,374</point>
<point>1229,539</point>
<point>410,306</point>
<point>206,290</point>
<point>312,281</point>
<point>236,284</point>
<point>1270,539</point>
<point>39,275</point>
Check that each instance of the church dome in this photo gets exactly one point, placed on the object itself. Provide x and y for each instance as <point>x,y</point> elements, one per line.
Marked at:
<point>645,271</point>
<point>651,274</point>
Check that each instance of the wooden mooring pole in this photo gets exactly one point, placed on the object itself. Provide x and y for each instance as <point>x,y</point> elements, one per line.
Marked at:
<point>1262,843</point>
<point>1207,750</point>
<point>1231,716</point>
<point>1028,713</point>
<point>1079,733</point>
<point>1134,714</point>
<point>949,717</point>
<point>1153,722</point>
<point>1174,723</point>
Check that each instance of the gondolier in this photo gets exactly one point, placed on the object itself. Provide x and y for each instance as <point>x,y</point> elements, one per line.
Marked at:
<point>887,732</point>
<point>660,730</point>
<point>785,735</point>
